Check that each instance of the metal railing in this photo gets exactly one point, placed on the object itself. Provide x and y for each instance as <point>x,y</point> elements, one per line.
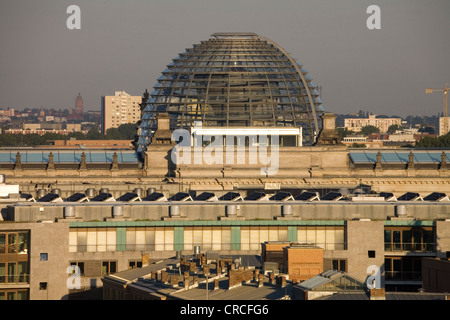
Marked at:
<point>403,275</point>
<point>21,278</point>
<point>410,247</point>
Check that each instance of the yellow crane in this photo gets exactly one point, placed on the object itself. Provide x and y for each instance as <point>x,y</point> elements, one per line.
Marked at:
<point>445,120</point>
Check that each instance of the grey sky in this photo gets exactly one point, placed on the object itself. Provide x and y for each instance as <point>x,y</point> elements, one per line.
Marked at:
<point>124,45</point>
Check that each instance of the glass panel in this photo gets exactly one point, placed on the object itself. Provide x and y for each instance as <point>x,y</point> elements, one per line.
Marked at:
<point>2,296</point>
<point>131,239</point>
<point>342,265</point>
<point>72,241</point>
<point>428,240</point>
<point>388,268</point>
<point>245,239</point>
<point>159,239</point>
<point>397,268</point>
<point>23,242</point>
<point>254,239</point>
<point>92,240</point>
<point>12,242</point>
<point>2,273</point>
<point>150,239</point>
<point>11,296</point>
<point>12,272</point>
<point>407,240</point>
<point>226,239</point>
<point>140,240</point>
<point>112,267</point>
<point>396,237</point>
<point>105,268</point>
<point>207,239</point>
<point>216,239</point>
<point>387,240</point>
<point>417,240</point>
<point>22,270</point>
<point>168,238</point>
<point>22,295</point>
<point>2,242</point>
<point>282,234</point>
<point>301,235</point>
<point>111,239</point>
<point>188,236</point>
<point>82,240</point>
<point>101,240</point>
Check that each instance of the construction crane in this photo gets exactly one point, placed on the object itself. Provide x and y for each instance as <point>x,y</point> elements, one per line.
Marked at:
<point>445,120</point>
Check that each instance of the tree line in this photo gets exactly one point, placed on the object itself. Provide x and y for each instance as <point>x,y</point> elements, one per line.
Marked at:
<point>123,132</point>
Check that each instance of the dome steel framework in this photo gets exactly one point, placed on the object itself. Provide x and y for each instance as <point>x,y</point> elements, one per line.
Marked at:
<point>234,79</point>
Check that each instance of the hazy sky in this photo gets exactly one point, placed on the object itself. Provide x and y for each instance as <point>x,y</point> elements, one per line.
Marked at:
<point>124,45</point>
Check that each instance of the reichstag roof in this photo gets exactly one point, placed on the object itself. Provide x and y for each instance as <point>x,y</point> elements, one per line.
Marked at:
<point>234,79</point>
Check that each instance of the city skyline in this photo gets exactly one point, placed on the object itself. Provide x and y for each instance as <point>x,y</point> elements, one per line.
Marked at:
<point>126,45</point>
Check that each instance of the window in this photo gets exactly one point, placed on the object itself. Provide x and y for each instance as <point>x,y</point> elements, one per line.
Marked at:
<point>109,267</point>
<point>208,238</point>
<point>13,272</point>
<point>92,239</point>
<point>328,238</point>
<point>13,294</point>
<point>371,253</point>
<point>403,268</point>
<point>409,239</point>
<point>43,256</point>
<point>42,285</point>
<point>14,242</point>
<point>252,237</point>
<point>132,264</point>
<point>80,265</point>
<point>339,264</point>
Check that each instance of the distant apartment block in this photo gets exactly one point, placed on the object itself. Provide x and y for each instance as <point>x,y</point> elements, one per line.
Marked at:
<point>441,126</point>
<point>120,109</point>
<point>356,124</point>
<point>43,128</point>
<point>7,112</point>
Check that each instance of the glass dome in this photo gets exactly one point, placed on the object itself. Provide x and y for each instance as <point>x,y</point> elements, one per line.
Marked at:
<point>234,80</point>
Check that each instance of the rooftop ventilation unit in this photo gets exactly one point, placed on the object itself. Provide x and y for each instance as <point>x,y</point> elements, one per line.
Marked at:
<point>103,197</point>
<point>129,197</point>
<point>231,196</point>
<point>51,197</point>
<point>410,196</point>
<point>155,196</point>
<point>77,197</point>
<point>308,196</point>
<point>206,196</point>
<point>180,196</point>
<point>282,196</point>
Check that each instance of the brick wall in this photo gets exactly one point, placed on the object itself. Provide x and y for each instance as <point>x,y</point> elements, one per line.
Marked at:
<point>303,263</point>
<point>236,277</point>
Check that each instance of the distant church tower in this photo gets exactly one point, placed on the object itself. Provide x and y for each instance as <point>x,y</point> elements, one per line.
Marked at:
<point>79,105</point>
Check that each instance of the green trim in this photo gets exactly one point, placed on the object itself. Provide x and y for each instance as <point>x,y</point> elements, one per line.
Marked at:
<point>199,223</point>
<point>121,238</point>
<point>292,233</point>
<point>409,223</point>
<point>178,238</point>
<point>235,238</point>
